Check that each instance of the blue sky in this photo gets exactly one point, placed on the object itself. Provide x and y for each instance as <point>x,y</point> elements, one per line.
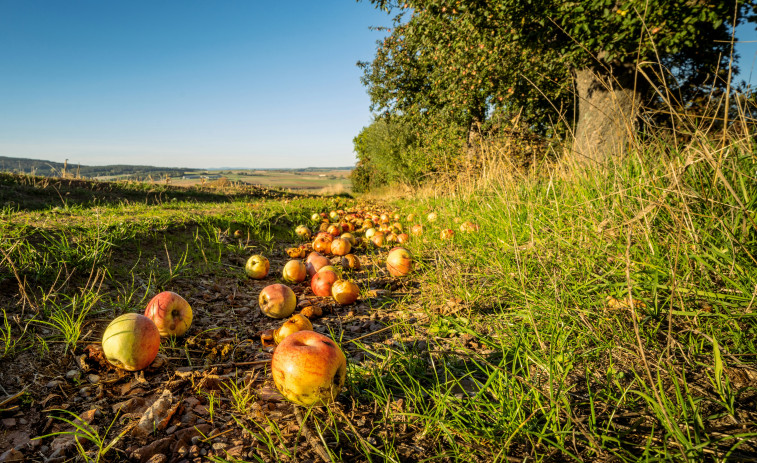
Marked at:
<point>190,83</point>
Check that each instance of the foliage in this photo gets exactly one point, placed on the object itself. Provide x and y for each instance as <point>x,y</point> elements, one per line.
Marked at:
<point>462,61</point>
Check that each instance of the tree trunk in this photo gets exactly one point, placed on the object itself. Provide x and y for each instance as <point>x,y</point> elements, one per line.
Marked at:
<point>608,107</point>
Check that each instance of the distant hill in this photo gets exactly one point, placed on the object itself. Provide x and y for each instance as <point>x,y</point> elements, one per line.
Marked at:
<point>124,171</point>
<point>56,169</point>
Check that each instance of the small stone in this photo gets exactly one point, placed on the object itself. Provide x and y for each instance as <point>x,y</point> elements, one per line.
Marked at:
<point>219,445</point>
<point>52,384</point>
<point>73,375</point>
<point>194,451</point>
<point>9,422</point>
<point>158,458</point>
<point>93,379</point>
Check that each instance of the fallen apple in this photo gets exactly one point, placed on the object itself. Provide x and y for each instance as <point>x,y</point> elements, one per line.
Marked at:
<point>294,271</point>
<point>170,312</point>
<point>296,323</point>
<point>315,262</point>
<point>308,368</point>
<point>322,243</point>
<point>447,233</point>
<point>399,262</point>
<point>277,301</point>
<point>311,311</point>
<point>303,232</point>
<point>131,342</point>
<point>351,262</point>
<point>257,267</point>
<point>322,281</point>
<point>468,227</point>
<point>345,292</point>
<point>417,230</point>
<point>340,247</point>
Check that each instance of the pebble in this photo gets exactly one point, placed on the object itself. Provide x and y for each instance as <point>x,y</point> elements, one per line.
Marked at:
<point>94,379</point>
<point>52,384</point>
<point>73,375</point>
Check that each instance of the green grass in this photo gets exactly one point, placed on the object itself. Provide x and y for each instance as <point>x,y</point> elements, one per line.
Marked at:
<point>596,315</point>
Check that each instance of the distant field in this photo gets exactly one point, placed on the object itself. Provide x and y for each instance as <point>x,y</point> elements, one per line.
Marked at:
<point>335,180</point>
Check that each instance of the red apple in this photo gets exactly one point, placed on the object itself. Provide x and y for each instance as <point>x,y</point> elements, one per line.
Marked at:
<point>340,247</point>
<point>315,262</point>
<point>277,301</point>
<point>257,267</point>
<point>296,323</point>
<point>131,342</point>
<point>345,292</point>
<point>334,230</point>
<point>468,227</point>
<point>294,271</point>
<point>402,238</point>
<point>378,239</point>
<point>447,233</point>
<point>322,282</point>
<point>399,262</point>
<point>308,368</point>
<point>170,312</point>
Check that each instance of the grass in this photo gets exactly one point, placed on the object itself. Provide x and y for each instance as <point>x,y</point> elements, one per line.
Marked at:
<point>596,315</point>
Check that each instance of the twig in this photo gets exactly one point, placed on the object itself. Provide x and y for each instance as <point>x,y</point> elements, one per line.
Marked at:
<point>315,443</point>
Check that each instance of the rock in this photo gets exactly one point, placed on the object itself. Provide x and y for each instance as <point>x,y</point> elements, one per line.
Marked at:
<point>94,379</point>
<point>9,422</point>
<point>73,375</point>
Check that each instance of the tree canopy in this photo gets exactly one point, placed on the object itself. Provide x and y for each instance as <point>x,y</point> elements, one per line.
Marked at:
<point>461,61</point>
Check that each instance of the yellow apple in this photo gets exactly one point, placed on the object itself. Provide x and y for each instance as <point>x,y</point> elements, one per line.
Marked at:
<point>257,267</point>
<point>308,368</point>
<point>277,301</point>
<point>296,323</point>
<point>131,342</point>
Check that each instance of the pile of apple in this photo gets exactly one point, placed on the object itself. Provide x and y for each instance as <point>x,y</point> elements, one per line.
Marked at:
<point>308,368</point>
<point>131,341</point>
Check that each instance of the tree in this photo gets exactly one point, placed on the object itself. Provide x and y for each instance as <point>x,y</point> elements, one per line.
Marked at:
<point>589,64</point>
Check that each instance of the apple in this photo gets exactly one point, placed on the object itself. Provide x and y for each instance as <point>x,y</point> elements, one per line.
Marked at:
<point>345,292</point>
<point>468,227</point>
<point>334,215</point>
<point>277,301</point>
<point>170,312</point>
<point>308,368</point>
<point>311,311</point>
<point>340,247</point>
<point>367,223</point>
<point>399,262</point>
<point>447,233</point>
<point>350,238</point>
<point>316,217</point>
<point>238,233</point>
<point>303,232</point>
<point>257,267</point>
<point>351,262</point>
<point>402,238</point>
<point>334,230</point>
<point>378,239</point>
<point>296,323</point>
<point>294,271</point>
<point>411,217</point>
<point>296,253</point>
<point>432,216</point>
<point>322,281</point>
<point>315,262</point>
<point>323,227</point>
<point>329,268</point>
<point>370,232</point>
<point>417,229</point>
<point>322,243</point>
<point>131,342</point>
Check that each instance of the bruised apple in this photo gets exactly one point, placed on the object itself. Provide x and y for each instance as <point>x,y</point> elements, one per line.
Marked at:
<point>345,292</point>
<point>296,323</point>
<point>322,281</point>
<point>308,368</point>
<point>351,262</point>
<point>399,262</point>
<point>447,234</point>
<point>257,267</point>
<point>322,243</point>
<point>277,301</point>
<point>170,312</point>
<point>131,342</point>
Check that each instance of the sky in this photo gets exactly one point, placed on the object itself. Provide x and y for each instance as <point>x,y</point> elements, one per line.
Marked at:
<point>193,83</point>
